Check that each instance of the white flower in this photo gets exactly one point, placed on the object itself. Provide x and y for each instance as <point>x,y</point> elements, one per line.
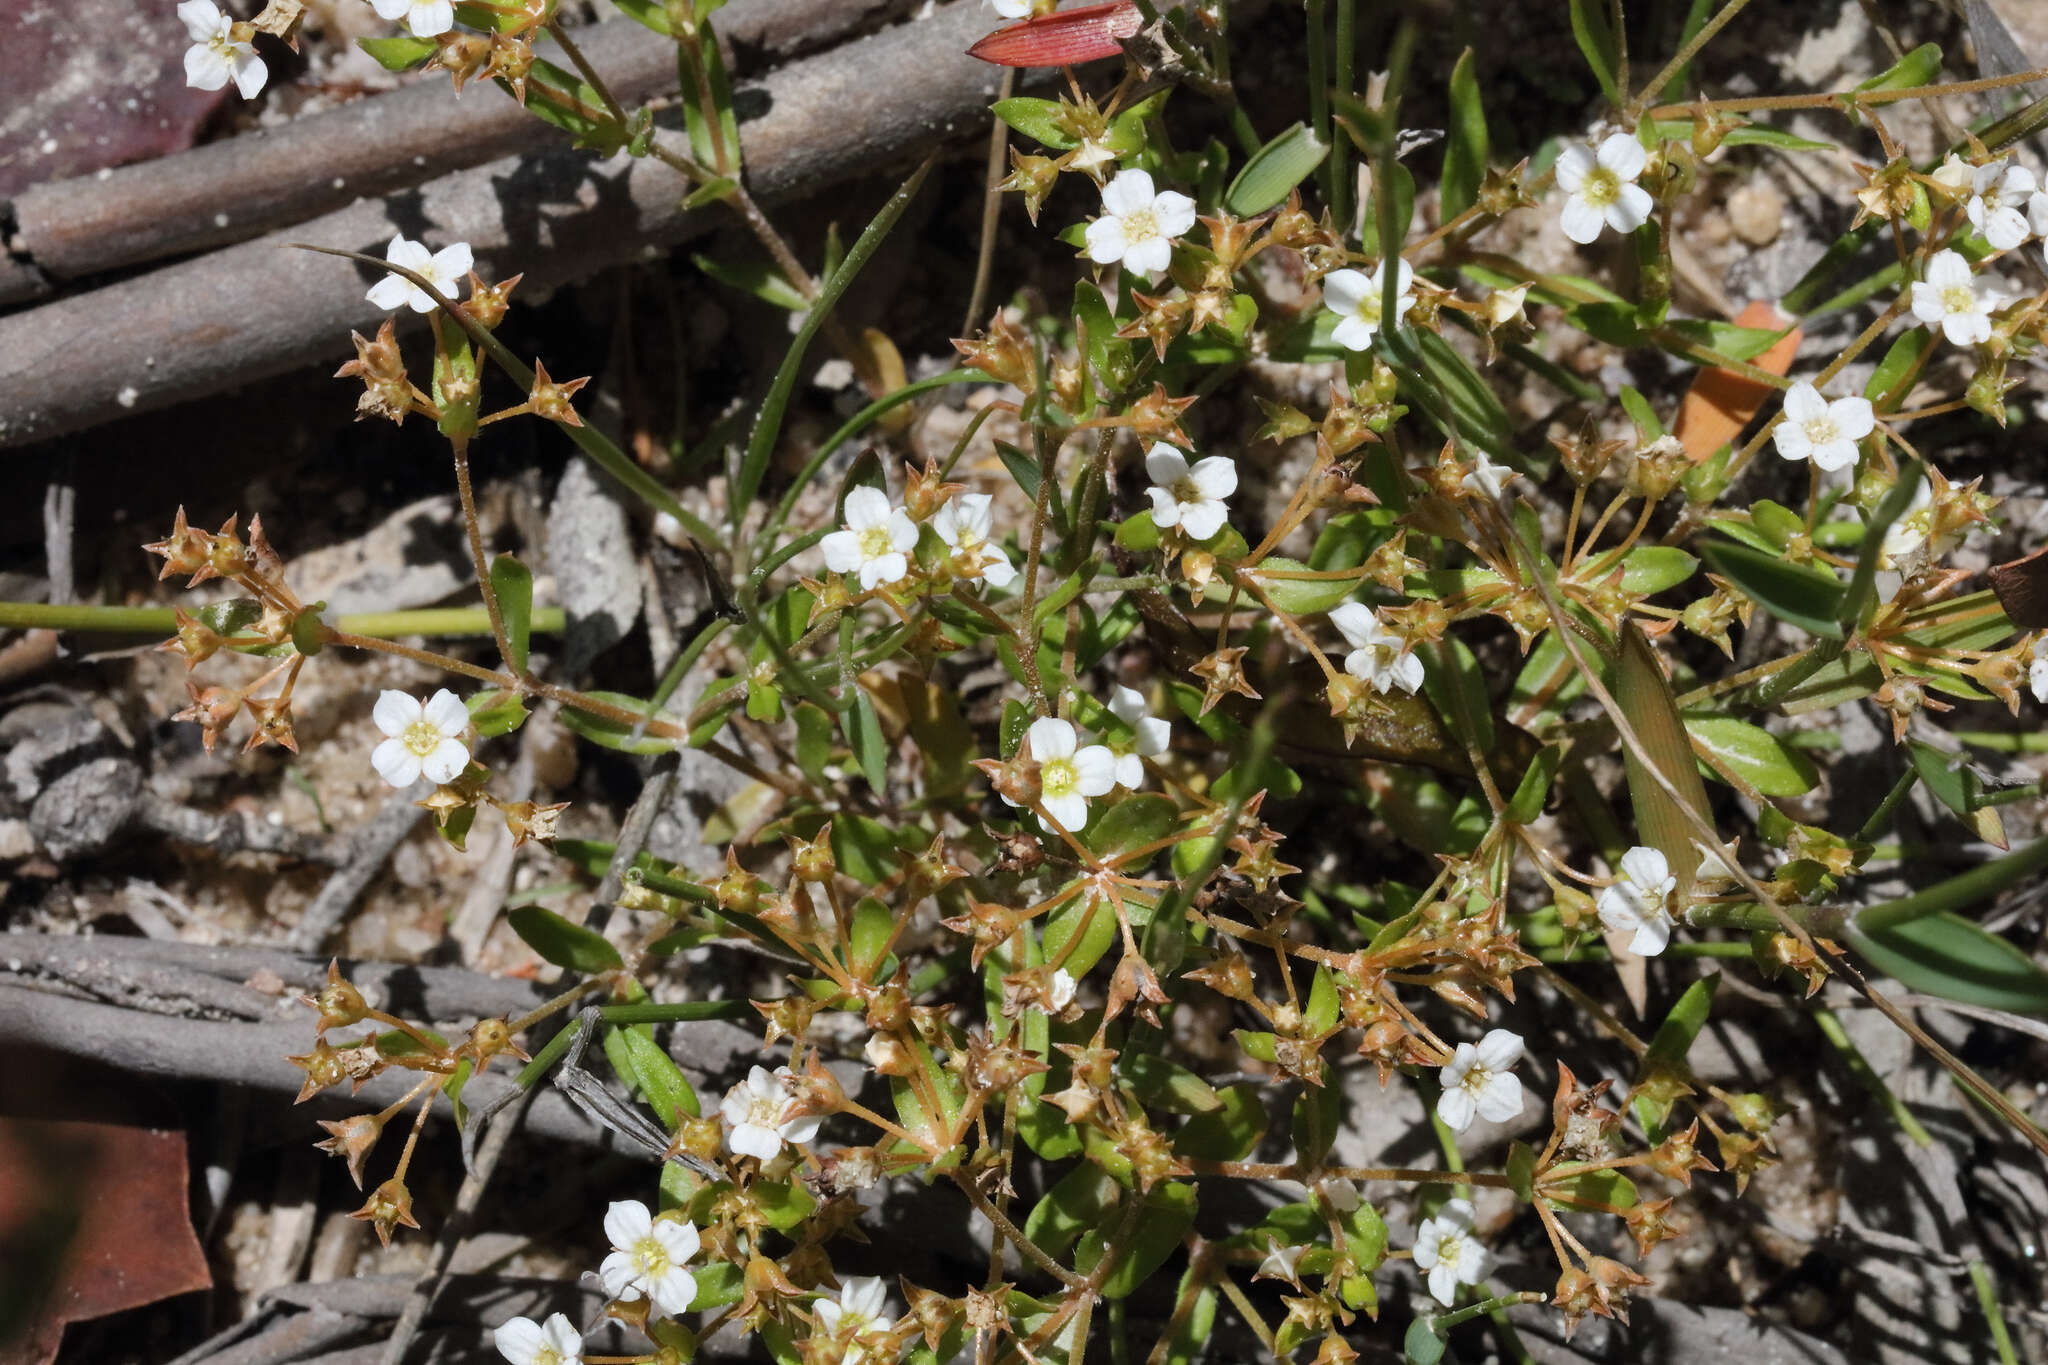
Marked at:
<point>1013,9</point>
<point>1639,901</point>
<point>1061,994</point>
<point>215,58</point>
<point>1127,704</point>
<point>1068,774</point>
<point>1602,188</point>
<point>526,1342</point>
<point>2037,670</point>
<point>1280,1262</point>
<point>422,739</point>
<point>964,524</point>
<point>876,541</point>
<point>1378,656</point>
<point>1190,497</point>
<point>1822,431</point>
<point>1487,478</point>
<point>2037,213</point>
<point>860,1315</point>
<point>1994,208</point>
<point>648,1257</point>
<point>1480,1080</point>
<point>1950,297</point>
<point>426,18</point>
<point>1138,226</point>
<point>1446,1251</point>
<point>1355,297</point>
<point>443,269</point>
<point>1909,532</point>
<point>758,1111</point>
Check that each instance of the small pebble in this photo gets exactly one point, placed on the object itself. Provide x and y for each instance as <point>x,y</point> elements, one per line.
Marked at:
<point>1757,213</point>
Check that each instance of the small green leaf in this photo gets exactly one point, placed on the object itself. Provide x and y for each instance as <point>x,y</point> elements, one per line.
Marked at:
<point>1597,1187</point>
<point>656,1075</point>
<point>1452,678</point>
<point>1639,411</point>
<point>1895,374</point>
<point>1274,170</point>
<point>1167,1084</point>
<point>864,736</point>
<point>1074,1204</point>
<point>452,1088</point>
<point>561,942</point>
<point>1597,44</point>
<point>1466,149</point>
<point>755,277</point>
<point>1949,956</point>
<point>612,733</point>
<point>1043,121</point>
<point>496,713</point>
<point>1139,819</point>
<point>1108,357</point>
<point>1318,1115</point>
<point>455,829</point>
<point>401,52</point>
<point>557,97</point>
<point>1521,1171</point>
<point>1527,802</point>
<point>1917,68</point>
<point>1169,1213</point>
<point>1229,1132</point>
<point>1404,212</point>
<point>1650,569</point>
<point>706,97</point>
<point>1756,755</point>
<point>1796,594</point>
<point>867,942</point>
<point>1645,698</point>
<point>1300,596</point>
<point>512,582</point>
<point>1668,1049</point>
<point>1424,1344</point>
<point>783,1203</point>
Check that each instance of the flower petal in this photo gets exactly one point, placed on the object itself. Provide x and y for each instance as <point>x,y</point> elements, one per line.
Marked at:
<point>627,1222</point>
<point>1070,813</point>
<point>1215,475</point>
<point>447,761</point>
<point>1622,154</point>
<point>1173,212</point>
<point>842,551</point>
<point>1631,209</point>
<point>201,19</point>
<point>205,69</point>
<point>1803,403</point>
<point>1343,290</point>
<point>902,530</point>
<point>1500,1099</point>
<point>1165,511</point>
<point>1645,866</point>
<point>431,19</point>
<point>1573,165</point>
<point>1165,465</point>
<point>1050,737</point>
<point>1456,1109</point>
<point>395,710</point>
<point>1581,221</point>
<point>250,71</point>
<point>1150,256</point>
<point>453,261</point>
<point>754,1141</point>
<point>1105,240</point>
<point>1129,192</point>
<point>395,763</point>
<point>1353,334</point>
<point>1948,268</point>
<point>519,1340</point>
<point>1200,520</point>
<point>1499,1049</point>
<point>866,508</point>
<point>1095,770</point>
<point>446,713</point>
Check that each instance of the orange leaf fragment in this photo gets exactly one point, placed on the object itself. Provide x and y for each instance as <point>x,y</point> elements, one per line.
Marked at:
<point>1721,403</point>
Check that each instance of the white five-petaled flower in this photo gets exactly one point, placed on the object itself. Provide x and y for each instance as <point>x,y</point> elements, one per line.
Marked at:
<point>965,525</point>
<point>1951,298</point>
<point>1068,772</point>
<point>420,739</point>
<point>1190,496</point>
<point>1486,478</point>
<point>1823,431</point>
<point>1447,1252</point>
<point>1638,902</point>
<point>1480,1080</point>
<point>861,1316</point>
<point>1356,298</point>
<point>1999,195</point>
<point>426,18</point>
<point>1378,656</point>
<point>215,57</point>
<point>526,1342</point>
<point>1281,1262</point>
<point>1909,532</point>
<point>1151,736</point>
<point>649,1258</point>
<point>1138,225</point>
<point>876,542</point>
<point>758,1110</point>
<point>443,269</point>
<point>1601,188</point>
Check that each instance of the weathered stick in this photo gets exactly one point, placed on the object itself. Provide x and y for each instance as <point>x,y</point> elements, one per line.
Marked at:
<point>230,191</point>
<point>258,309</point>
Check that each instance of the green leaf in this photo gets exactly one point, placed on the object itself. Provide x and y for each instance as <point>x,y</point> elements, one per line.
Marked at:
<point>1274,170</point>
<point>754,277</point>
<point>496,713</point>
<point>1404,212</point>
<point>612,733</point>
<point>1956,959</point>
<point>718,1284</point>
<point>706,97</point>
<point>1527,802</point>
<point>1897,501</point>
<point>1668,1049</point>
<point>455,829</point>
<point>1754,754</point>
<point>1521,1171</point>
<point>452,1088</point>
<point>512,582</point>
<point>1597,44</point>
<point>864,736</point>
<point>651,14</point>
<point>1108,357</point>
<point>1895,374</point>
<point>1466,150</point>
<point>1089,924</point>
<point>401,52</point>
<point>1437,378</point>
<point>1917,68</point>
<point>1139,819</point>
<point>1228,1133</point>
<point>1168,1085</point>
<point>1075,1203</point>
<point>1302,596</point>
<point>561,942</point>
<point>1597,1187</point>
<point>656,1075</point>
<point>1639,411</point>
<point>865,849</point>
<point>1318,1115</point>
<point>1650,569</point>
<point>557,97</point>
<point>1043,121</point>
<point>1424,1344</point>
<point>1169,1213</point>
<point>1794,593</point>
<point>1644,697</point>
<point>867,942</point>
<point>1023,469</point>
<point>783,1203</point>
<point>1745,135</point>
<point>1455,685</point>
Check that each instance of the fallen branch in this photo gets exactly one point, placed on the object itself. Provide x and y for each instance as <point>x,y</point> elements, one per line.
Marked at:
<point>255,309</point>
<point>232,190</point>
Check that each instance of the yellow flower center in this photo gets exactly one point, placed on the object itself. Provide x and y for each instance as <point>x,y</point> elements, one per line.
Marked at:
<point>651,1257</point>
<point>1185,489</point>
<point>1821,430</point>
<point>1601,187</point>
<point>421,738</point>
<point>1140,226</point>
<point>1958,298</point>
<point>875,542</point>
<point>1369,307</point>
<point>1058,777</point>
